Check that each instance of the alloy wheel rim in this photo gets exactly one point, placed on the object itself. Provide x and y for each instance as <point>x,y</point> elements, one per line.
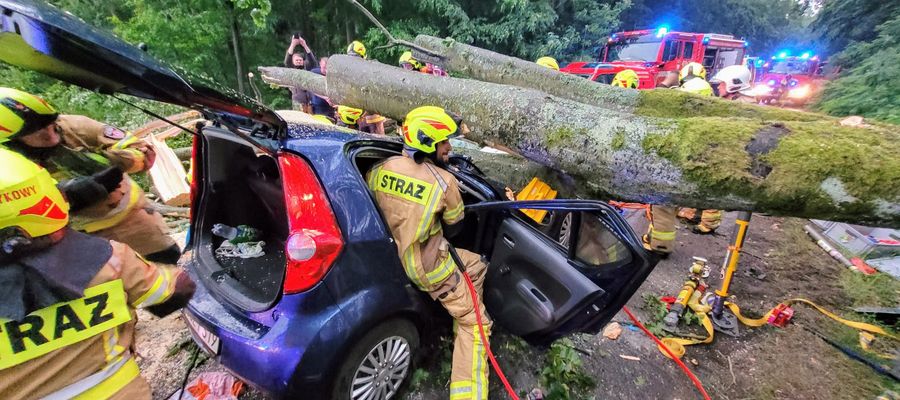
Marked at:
<point>565,230</point>
<point>382,371</point>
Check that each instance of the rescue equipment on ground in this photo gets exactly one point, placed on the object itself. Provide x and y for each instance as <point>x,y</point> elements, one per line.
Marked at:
<point>717,312</point>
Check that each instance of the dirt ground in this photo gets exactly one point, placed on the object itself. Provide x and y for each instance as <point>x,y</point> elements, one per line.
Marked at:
<point>762,363</point>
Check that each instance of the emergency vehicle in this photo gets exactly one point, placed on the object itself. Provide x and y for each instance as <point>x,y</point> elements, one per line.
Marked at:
<point>651,52</point>
<point>790,79</point>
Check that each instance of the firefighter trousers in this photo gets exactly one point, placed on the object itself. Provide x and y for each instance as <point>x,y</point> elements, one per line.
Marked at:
<point>709,219</point>
<point>469,374</point>
<point>661,233</point>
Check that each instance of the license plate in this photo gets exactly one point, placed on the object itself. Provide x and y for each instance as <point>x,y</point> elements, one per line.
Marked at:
<point>202,335</point>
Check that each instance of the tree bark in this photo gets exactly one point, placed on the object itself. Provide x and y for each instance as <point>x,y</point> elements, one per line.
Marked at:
<point>485,65</point>
<point>815,169</point>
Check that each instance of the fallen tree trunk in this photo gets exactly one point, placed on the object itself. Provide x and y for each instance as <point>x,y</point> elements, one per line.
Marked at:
<point>485,65</point>
<point>815,169</point>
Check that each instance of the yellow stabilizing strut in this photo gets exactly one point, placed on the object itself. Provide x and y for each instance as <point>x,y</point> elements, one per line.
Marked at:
<point>536,190</point>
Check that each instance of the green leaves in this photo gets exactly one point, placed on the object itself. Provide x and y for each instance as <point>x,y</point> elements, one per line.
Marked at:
<point>562,375</point>
<point>259,10</point>
<point>870,87</point>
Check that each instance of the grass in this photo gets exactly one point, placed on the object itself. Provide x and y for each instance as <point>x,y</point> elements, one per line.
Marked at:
<point>879,290</point>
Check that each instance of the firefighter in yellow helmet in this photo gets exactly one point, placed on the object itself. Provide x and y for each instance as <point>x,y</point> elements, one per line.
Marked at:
<point>74,146</point>
<point>626,78</point>
<point>356,49</point>
<point>693,80</point>
<point>692,69</point>
<point>69,299</point>
<point>421,202</point>
<point>408,62</point>
<point>355,118</point>
<point>548,62</point>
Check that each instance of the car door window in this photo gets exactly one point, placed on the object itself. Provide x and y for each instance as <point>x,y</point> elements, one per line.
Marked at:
<point>597,246</point>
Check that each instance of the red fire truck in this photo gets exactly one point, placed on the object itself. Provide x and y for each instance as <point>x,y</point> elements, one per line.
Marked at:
<point>651,52</point>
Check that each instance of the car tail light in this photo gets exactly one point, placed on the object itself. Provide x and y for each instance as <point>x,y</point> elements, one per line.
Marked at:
<point>315,239</point>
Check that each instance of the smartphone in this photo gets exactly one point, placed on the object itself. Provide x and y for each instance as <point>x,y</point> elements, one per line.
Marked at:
<point>297,35</point>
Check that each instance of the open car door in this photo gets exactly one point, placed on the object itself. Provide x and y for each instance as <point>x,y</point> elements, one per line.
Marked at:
<point>571,272</point>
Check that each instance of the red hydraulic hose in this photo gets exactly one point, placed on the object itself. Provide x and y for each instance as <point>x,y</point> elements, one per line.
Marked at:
<point>669,352</point>
<point>509,389</point>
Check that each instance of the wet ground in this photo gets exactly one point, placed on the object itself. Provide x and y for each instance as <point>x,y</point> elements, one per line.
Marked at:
<point>763,363</point>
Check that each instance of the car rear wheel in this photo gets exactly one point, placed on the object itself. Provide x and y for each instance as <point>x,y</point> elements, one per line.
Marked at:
<point>379,364</point>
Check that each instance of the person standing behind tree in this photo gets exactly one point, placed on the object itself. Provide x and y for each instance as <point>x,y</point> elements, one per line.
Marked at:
<point>321,105</point>
<point>304,59</point>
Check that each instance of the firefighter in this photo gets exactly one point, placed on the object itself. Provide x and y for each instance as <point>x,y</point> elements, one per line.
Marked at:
<point>356,49</point>
<point>733,83</point>
<point>707,221</point>
<point>626,78</point>
<point>421,201</point>
<point>660,236</point>
<point>355,118</point>
<point>73,146</point>
<point>407,61</point>
<point>548,62</point>
<point>693,80</point>
<point>68,302</point>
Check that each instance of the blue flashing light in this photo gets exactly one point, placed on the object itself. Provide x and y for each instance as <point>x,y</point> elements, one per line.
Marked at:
<point>793,82</point>
<point>759,62</point>
<point>662,30</point>
<point>783,54</point>
<point>773,57</point>
<point>746,44</point>
<point>805,55</point>
<point>772,82</point>
<point>706,40</point>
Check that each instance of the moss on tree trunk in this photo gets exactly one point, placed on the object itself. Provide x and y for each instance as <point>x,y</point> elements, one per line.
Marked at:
<point>815,168</point>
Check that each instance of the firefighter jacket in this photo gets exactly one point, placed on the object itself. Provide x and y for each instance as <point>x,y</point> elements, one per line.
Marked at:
<point>415,199</point>
<point>82,348</point>
<point>88,147</point>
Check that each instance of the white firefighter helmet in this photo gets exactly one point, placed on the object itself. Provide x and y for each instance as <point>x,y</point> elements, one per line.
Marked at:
<point>735,77</point>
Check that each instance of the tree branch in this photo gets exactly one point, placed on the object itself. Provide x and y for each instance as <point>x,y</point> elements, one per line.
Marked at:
<point>393,41</point>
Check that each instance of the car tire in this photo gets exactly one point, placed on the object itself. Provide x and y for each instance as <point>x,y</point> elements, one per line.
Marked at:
<point>380,361</point>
